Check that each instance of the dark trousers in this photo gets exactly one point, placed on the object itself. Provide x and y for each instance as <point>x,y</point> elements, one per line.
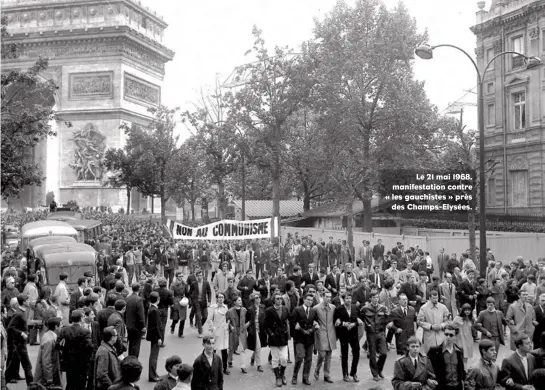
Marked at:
<point>201,314</point>
<point>163,314</point>
<point>135,339</point>
<point>19,356</point>
<point>258,270</point>
<point>389,335</point>
<point>153,356</point>
<point>303,353</point>
<point>180,329</point>
<point>169,275</point>
<point>224,356</point>
<point>76,377</point>
<point>191,314</point>
<point>377,345</point>
<point>355,346</point>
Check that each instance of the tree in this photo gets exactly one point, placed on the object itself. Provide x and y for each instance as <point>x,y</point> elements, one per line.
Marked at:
<point>121,167</point>
<point>216,137</point>
<point>27,110</point>
<point>191,183</point>
<point>153,149</point>
<point>307,159</point>
<point>277,86</point>
<point>366,92</point>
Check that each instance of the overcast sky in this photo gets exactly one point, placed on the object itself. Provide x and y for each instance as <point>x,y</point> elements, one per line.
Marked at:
<point>210,38</point>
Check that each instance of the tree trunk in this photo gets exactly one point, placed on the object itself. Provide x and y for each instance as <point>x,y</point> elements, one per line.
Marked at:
<point>276,171</point>
<point>306,197</point>
<point>367,194</point>
<point>128,200</point>
<point>163,206</point>
<point>193,211</point>
<point>152,204</point>
<point>350,225</point>
<point>221,199</point>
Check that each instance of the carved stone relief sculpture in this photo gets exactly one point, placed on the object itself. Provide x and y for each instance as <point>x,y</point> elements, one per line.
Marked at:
<point>89,148</point>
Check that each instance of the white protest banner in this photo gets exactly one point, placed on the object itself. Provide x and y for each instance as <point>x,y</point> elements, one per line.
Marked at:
<point>227,230</point>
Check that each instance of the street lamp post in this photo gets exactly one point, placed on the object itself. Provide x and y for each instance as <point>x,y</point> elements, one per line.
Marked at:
<point>425,52</point>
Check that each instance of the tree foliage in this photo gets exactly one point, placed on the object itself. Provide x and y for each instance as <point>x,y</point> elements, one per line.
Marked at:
<point>27,110</point>
<point>120,165</point>
<point>153,149</point>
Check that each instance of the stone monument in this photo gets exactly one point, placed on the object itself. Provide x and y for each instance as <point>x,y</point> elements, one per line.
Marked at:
<point>108,59</point>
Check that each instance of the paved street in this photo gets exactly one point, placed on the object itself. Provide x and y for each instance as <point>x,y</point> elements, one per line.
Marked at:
<point>189,347</point>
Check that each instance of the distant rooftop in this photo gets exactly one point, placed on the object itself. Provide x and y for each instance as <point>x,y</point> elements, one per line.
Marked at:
<point>263,208</point>
<point>501,7</point>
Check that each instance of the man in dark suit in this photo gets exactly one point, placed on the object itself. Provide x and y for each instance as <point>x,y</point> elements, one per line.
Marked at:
<point>378,253</point>
<point>514,374</point>
<point>376,277</point>
<point>305,257</point>
<point>261,258</point>
<point>77,349</point>
<point>117,321</point>
<point>403,318</point>
<point>280,280</point>
<point>311,276</point>
<point>78,293</point>
<point>346,323</point>
<point>277,329</point>
<point>155,333</point>
<point>201,296</point>
<point>442,260</point>
<point>263,286</point>
<point>466,290</point>
<point>447,358</point>
<point>303,339</point>
<point>540,318</point>
<point>410,290</point>
<point>104,314</point>
<point>246,286</point>
<point>166,300</point>
<point>332,280</point>
<point>17,338</point>
<point>414,368</point>
<point>207,376</point>
<point>135,321</point>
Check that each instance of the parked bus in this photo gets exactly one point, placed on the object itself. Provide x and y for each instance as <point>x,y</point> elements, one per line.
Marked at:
<point>37,242</point>
<point>65,216</point>
<point>68,257</point>
<point>88,229</point>
<point>33,230</point>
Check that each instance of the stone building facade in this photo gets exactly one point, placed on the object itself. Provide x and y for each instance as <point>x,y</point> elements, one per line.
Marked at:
<point>514,103</point>
<point>108,59</point>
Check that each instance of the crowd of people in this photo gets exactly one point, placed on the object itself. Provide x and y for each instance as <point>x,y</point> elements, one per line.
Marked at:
<point>243,296</point>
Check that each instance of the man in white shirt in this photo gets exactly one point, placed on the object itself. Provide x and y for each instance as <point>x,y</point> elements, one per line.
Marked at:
<point>394,273</point>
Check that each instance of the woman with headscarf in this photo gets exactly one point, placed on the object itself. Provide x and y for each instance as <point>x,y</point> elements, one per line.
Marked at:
<point>464,340</point>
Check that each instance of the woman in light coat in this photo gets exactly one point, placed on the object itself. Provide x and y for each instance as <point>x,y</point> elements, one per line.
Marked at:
<point>464,339</point>
<point>238,333</point>
<point>217,324</point>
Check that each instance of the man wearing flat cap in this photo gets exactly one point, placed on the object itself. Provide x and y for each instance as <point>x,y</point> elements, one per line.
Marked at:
<point>484,374</point>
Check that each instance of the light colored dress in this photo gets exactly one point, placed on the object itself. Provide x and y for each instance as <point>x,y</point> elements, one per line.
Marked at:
<point>217,325</point>
<point>464,339</point>
<point>61,291</point>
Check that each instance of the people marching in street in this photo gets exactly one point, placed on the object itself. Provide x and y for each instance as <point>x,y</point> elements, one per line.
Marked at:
<point>293,299</point>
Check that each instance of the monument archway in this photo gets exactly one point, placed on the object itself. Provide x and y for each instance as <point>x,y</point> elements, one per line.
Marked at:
<point>108,60</point>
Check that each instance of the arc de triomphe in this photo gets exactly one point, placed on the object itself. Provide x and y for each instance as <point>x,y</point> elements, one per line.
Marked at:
<point>108,59</point>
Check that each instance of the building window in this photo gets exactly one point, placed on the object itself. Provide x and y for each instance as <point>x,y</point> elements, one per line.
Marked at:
<point>489,56</point>
<point>519,102</point>
<point>490,88</point>
<point>519,191</point>
<point>517,44</point>
<point>491,201</point>
<point>491,114</point>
